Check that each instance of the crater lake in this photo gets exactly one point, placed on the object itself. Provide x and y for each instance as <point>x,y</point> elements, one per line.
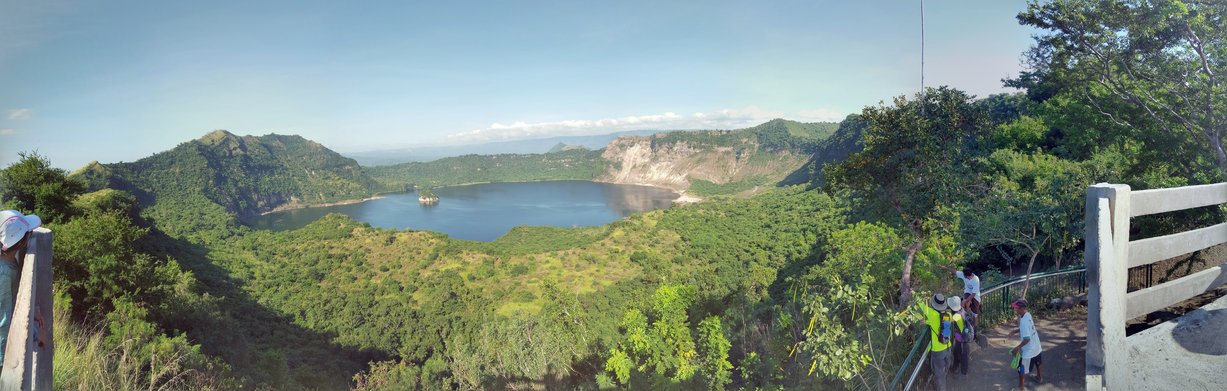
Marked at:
<point>483,212</point>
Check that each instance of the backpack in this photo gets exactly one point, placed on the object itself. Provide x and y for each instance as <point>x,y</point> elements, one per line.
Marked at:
<point>944,335</point>
<point>966,333</point>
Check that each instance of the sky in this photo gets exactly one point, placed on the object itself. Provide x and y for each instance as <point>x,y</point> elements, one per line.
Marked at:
<point>120,80</point>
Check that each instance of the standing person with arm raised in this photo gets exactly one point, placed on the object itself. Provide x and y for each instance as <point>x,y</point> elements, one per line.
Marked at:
<point>971,289</point>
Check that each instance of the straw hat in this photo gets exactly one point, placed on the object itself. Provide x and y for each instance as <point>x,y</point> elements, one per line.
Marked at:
<point>938,302</point>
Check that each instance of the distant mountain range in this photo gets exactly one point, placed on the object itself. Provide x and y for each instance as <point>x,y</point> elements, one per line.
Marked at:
<point>209,184</point>
<point>704,162</point>
<point>542,145</point>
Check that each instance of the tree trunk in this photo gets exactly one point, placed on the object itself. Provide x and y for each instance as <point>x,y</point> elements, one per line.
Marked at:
<point>1057,258</point>
<point>905,281</point>
<point>1031,263</point>
<point>1219,154</point>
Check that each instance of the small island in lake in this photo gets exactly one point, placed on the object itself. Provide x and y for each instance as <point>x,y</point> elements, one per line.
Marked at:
<point>427,197</point>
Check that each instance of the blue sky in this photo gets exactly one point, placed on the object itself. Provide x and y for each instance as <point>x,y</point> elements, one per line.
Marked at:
<point>120,80</point>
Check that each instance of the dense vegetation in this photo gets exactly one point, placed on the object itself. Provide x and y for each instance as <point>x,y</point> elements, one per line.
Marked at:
<point>568,164</point>
<point>203,185</point>
<point>427,300</point>
<point>803,287</point>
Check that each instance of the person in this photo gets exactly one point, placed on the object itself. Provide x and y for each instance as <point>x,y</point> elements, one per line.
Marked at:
<point>971,288</point>
<point>1029,345</point>
<point>15,231</point>
<point>937,319</point>
<point>962,335</point>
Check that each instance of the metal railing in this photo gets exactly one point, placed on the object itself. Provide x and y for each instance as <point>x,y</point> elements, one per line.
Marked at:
<point>995,306</point>
<point>903,366</point>
<point>995,309</point>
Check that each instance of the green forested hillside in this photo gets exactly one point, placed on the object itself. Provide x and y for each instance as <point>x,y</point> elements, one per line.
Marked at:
<point>844,141</point>
<point>578,164</point>
<point>774,135</point>
<point>202,185</point>
<point>137,308</point>
<point>780,134</point>
<point>433,304</point>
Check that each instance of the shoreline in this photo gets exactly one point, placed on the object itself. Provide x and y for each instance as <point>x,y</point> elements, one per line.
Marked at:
<point>284,208</point>
<point>682,196</point>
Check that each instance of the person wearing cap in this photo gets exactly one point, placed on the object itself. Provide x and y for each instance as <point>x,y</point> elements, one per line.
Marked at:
<point>15,231</point>
<point>937,320</point>
<point>961,334</point>
<point>1029,346</point>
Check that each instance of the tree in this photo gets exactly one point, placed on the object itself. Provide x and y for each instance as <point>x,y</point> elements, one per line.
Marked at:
<point>666,347</point>
<point>95,259</point>
<point>1033,204</point>
<point>31,185</point>
<point>1025,134</point>
<point>915,160</point>
<point>107,200</point>
<point>1161,60</point>
<point>852,331</point>
<point>714,353</point>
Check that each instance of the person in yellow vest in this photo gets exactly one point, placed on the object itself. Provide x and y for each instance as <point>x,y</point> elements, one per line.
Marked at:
<point>961,334</point>
<point>938,321</point>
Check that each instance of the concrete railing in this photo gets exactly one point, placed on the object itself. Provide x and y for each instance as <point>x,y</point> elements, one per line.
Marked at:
<point>28,356</point>
<point>1110,254</point>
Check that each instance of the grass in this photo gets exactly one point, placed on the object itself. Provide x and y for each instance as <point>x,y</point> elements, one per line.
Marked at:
<point>524,240</point>
<point>84,362</point>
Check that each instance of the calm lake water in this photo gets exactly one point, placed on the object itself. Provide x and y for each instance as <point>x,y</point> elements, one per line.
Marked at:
<point>486,211</point>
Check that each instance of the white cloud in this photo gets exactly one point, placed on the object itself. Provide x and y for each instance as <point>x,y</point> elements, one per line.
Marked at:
<point>20,114</point>
<point>721,119</point>
<point>7,132</point>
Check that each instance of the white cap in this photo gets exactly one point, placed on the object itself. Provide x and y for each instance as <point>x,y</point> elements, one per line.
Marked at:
<point>14,226</point>
<point>954,302</point>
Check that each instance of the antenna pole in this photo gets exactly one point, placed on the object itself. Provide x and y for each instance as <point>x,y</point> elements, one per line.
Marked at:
<point>922,49</point>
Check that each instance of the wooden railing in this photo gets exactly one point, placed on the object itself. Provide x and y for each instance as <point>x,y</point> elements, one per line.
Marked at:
<point>28,355</point>
<point>1110,254</point>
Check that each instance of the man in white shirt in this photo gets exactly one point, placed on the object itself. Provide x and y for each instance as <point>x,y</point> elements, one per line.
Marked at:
<point>1029,345</point>
<point>971,287</point>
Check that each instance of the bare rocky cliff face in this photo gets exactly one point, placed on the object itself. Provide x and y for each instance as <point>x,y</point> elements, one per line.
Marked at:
<point>647,160</point>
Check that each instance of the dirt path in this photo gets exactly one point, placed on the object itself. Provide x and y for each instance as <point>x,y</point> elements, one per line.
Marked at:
<point>1064,338</point>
